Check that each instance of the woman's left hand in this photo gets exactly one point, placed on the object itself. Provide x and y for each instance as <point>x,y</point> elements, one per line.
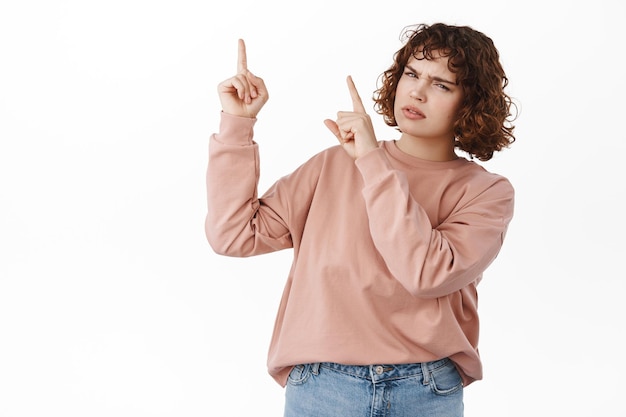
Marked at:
<point>354,129</point>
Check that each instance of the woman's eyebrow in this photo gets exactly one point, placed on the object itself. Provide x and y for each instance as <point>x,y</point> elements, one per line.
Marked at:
<point>435,78</point>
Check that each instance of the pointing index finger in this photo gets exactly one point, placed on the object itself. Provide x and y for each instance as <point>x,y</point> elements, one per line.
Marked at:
<point>242,60</point>
<point>357,104</point>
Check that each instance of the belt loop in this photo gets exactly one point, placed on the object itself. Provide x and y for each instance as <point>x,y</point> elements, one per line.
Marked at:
<point>315,368</point>
<point>425,373</point>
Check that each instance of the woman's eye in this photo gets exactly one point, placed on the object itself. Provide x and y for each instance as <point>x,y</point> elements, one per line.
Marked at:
<point>442,87</point>
<point>410,74</point>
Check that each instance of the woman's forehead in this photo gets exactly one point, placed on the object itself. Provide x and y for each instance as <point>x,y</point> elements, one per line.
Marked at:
<point>436,61</point>
<point>435,68</point>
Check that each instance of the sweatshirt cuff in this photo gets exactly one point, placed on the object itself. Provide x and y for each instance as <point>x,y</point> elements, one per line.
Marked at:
<point>235,130</point>
<point>374,166</point>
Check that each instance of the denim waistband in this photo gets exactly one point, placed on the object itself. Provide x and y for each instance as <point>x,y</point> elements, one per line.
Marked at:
<point>381,372</point>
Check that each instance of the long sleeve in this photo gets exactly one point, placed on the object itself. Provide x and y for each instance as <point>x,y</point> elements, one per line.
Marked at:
<point>434,260</point>
<point>237,223</point>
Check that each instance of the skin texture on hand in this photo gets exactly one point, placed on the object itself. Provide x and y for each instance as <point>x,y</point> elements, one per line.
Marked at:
<point>354,129</point>
<point>245,93</point>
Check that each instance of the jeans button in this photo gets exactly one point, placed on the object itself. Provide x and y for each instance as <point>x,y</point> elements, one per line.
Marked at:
<point>379,370</point>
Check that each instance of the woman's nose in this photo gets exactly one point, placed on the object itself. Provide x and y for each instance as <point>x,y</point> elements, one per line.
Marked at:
<point>417,92</point>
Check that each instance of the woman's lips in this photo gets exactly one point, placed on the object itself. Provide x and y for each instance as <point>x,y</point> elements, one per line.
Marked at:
<point>413,113</point>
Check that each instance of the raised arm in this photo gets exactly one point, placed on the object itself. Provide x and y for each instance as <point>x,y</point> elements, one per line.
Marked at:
<point>237,222</point>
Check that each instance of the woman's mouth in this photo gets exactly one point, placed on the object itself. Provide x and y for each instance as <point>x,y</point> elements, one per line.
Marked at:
<point>413,113</point>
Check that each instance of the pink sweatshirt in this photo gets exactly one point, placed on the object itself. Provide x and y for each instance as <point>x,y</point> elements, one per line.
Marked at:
<point>387,250</point>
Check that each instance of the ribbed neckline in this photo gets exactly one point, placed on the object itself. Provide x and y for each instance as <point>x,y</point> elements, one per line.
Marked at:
<point>392,148</point>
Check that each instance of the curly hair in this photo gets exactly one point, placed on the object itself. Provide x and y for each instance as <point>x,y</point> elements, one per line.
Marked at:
<point>485,119</point>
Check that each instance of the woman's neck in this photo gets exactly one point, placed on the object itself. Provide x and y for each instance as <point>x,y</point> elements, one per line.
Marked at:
<point>427,149</point>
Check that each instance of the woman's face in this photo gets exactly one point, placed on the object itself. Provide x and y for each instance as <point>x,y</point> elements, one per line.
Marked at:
<point>427,99</point>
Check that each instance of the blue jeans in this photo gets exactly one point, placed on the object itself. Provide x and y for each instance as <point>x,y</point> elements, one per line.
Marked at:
<point>430,389</point>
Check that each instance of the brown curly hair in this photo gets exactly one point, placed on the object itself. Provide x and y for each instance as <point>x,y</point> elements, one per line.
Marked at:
<point>485,119</point>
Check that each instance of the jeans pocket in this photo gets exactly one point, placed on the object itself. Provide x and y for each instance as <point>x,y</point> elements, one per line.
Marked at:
<point>446,379</point>
<point>299,374</point>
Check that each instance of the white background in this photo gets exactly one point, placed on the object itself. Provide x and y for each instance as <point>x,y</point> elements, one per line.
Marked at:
<point>111,301</point>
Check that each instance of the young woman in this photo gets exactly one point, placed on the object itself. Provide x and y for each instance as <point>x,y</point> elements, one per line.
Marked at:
<point>390,238</point>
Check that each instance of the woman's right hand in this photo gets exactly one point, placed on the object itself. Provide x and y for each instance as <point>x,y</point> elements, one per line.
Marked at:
<point>245,93</point>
